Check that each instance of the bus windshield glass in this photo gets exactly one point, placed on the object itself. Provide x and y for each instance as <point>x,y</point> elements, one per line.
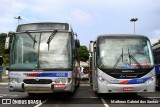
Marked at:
<point>122,53</point>
<point>31,51</point>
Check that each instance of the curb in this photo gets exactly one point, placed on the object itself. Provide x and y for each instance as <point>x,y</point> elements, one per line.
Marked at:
<point>3,83</point>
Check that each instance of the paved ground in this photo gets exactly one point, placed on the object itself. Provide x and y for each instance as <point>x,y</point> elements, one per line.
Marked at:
<point>83,97</point>
<point>4,79</point>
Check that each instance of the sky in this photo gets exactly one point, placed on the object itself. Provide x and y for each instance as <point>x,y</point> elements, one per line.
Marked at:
<point>89,18</point>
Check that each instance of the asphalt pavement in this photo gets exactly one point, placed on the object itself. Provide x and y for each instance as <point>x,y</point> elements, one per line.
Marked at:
<point>83,97</point>
<point>4,79</point>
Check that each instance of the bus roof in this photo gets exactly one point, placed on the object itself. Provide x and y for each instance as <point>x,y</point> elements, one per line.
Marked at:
<point>43,26</point>
<point>121,36</point>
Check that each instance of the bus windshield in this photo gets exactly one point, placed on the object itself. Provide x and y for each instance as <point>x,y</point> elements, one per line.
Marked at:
<point>122,53</point>
<point>31,51</point>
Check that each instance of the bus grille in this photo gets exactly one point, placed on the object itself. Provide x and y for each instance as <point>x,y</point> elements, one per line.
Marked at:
<point>40,81</point>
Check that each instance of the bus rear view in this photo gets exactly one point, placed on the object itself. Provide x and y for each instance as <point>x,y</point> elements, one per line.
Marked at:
<point>122,63</point>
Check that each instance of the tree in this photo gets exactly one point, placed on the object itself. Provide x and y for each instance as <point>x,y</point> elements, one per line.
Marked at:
<point>83,53</point>
<point>5,52</point>
<point>2,42</point>
<point>158,42</point>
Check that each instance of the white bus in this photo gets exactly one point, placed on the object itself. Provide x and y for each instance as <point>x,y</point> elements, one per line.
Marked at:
<point>43,58</point>
<point>122,64</point>
<point>156,54</point>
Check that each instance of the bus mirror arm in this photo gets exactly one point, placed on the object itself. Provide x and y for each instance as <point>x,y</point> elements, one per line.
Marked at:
<point>77,43</point>
<point>7,42</point>
<point>91,46</point>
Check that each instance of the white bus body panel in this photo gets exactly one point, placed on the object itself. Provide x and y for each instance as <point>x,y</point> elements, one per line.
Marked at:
<point>16,82</point>
<point>108,84</point>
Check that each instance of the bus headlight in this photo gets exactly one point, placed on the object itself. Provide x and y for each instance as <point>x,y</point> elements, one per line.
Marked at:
<point>150,80</point>
<point>57,80</point>
<point>101,79</point>
<point>63,80</point>
<point>14,80</point>
<point>60,80</point>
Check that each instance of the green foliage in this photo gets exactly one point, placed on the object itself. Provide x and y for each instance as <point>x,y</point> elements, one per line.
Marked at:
<point>5,52</point>
<point>4,74</point>
<point>83,53</point>
<point>2,42</point>
<point>6,59</point>
<point>158,42</point>
<point>1,50</point>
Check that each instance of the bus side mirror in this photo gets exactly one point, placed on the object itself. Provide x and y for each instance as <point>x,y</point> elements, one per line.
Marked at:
<point>77,43</point>
<point>91,46</point>
<point>7,42</point>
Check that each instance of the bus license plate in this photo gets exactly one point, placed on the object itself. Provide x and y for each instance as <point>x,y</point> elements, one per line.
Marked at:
<point>128,88</point>
<point>59,85</point>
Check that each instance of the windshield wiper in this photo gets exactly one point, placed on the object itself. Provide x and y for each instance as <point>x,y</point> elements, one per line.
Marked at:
<point>131,56</point>
<point>51,37</point>
<point>33,38</point>
<point>118,60</point>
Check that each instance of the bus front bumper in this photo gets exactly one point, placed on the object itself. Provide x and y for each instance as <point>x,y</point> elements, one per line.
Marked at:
<point>105,87</point>
<point>40,88</point>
